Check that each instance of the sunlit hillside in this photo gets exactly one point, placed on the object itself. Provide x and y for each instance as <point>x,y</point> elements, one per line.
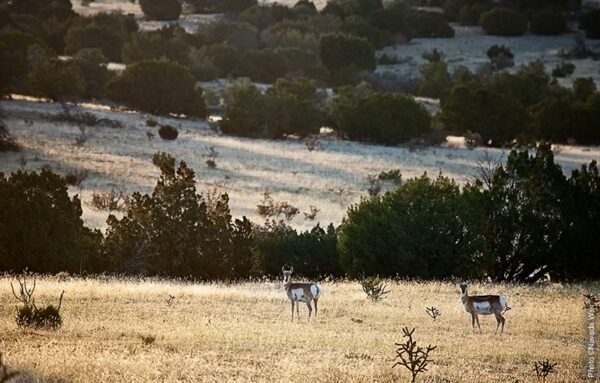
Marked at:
<point>331,177</point>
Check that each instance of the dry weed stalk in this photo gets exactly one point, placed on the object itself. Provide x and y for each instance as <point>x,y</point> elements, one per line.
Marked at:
<point>543,369</point>
<point>433,312</point>
<point>411,356</point>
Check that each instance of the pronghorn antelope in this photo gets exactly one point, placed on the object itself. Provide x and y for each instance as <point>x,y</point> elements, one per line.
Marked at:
<point>300,292</point>
<point>484,305</point>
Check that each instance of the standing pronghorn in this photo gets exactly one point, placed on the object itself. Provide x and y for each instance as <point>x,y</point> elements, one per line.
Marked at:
<point>484,305</point>
<point>300,292</point>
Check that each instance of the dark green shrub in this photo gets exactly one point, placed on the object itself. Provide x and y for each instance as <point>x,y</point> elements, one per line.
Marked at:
<point>523,201</point>
<point>497,118</point>
<point>428,24</point>
<point>548,22</point>
<point>497,50</point>
<point>177,232</point>
<point>225,6</point>
<point>57,80</point>
<point>563,69</point>
<point>393,18</point>
<point>470,14</point>
<point>529,85</point>
<point>158,87</point>
<point>452,8</point>
<point>14,63</point>
<point>108,32</point>
<point>163,160</point>
<point>590,23</point>
<point>385,118</point>
<point>339,51</point>
<point>262,16</point>
<point>435,79</point>
<point>265,65</point>
<point>245,111</point>
<point>503,22</point>
<point>92,64</point>
<point>292,108</point>
<point>313,253</point>
<point>288,107</point>
<point>152,45</point>
<point>95,36</point>
<point>162,10</point>
<point>583,88</point>
<point>168,132</point>
<point>359,27</point>
<point>400,234</point>
<point>46,236</point>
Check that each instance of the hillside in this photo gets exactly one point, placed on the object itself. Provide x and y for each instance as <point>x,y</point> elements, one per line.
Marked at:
<point>330,178</point>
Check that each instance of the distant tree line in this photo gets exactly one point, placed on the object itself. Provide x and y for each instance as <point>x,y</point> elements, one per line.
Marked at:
<point>518,222</point>
<point>296,49</point>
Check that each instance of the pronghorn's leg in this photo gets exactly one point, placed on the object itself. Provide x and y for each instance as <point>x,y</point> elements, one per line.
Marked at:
<point>309,308</point>
<point>292,308</point>
<point>503,320</point>
<point>297,309</point>
<point>316,300</point>
<point>473,321</point>
<point>499,320</point>
<point>478,325</point>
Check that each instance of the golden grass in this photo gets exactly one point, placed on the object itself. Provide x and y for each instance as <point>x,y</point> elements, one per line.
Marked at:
<point>125,331</point>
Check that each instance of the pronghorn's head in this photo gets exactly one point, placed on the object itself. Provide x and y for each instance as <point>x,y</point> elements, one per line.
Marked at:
<point>463,288</point>
<point>287,275</point>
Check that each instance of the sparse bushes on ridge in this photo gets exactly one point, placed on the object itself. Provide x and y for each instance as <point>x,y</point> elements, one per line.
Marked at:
<point>158,87</point>
<point>503,22</point>
<point>548,22</point>
<point>162,10</point>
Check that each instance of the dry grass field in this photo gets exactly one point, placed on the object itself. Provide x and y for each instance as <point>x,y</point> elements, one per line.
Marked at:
<point>125,331</point>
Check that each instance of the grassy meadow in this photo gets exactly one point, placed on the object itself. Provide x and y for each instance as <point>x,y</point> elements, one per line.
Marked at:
<point>124,330</point>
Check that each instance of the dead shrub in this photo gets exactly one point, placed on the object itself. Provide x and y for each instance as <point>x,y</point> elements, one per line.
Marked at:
<point>268,208</point>
<point>115,200</point>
